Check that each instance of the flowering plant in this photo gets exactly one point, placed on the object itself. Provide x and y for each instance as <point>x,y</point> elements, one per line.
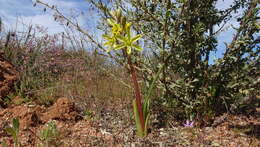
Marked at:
<point>189,123</point>
<point>120,38</point>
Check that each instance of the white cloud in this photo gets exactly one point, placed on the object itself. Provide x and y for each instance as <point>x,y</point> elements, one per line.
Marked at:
<point>45,20</point>
<point>27,14</point>
<point>61,3</point>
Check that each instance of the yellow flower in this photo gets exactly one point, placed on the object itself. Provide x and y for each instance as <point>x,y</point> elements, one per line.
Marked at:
<point>119,41</point>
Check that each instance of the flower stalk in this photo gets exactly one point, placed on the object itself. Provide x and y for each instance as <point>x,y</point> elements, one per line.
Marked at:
<point>120,38</point>
<point>138,97</point>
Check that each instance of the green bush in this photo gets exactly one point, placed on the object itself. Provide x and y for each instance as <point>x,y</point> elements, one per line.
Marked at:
<point>181,35</point>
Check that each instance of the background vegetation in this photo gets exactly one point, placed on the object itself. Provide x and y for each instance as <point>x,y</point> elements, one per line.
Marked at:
<point>179,37</point>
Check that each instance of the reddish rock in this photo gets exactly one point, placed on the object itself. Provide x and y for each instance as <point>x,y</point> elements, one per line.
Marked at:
<point>31,116</point>
<point>63,109</point>
<point>27,116</point>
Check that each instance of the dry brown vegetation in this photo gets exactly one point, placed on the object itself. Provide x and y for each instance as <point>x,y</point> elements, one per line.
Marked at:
<point>95,108</point>
<point>65,95</point>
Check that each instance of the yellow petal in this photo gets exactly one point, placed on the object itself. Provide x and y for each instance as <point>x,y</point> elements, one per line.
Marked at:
<point>137,47</point>
<point>137,37</point>
<point>118,47</point>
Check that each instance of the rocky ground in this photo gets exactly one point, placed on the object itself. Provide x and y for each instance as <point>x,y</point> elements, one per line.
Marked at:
<point>110,128</point>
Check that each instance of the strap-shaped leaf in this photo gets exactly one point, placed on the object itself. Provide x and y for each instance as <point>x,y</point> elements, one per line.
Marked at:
<point>16,124</point>
<point>147,122</point>
<point>10,131</point>
<point>137,120</point>
<point>146,107</point>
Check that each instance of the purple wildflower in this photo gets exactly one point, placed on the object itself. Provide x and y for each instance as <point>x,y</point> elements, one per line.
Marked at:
<point>189,123</point>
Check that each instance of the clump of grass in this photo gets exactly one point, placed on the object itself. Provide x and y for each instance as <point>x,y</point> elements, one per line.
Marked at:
<point>50,135</point>
<point>13,130</point>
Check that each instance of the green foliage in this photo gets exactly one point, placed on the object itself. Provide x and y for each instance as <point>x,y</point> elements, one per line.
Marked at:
<point>139,128</point>
<point>88,114</point>
<point>181,35</point>
<point>50,135</point>
<point>4,144</point>
<point>14,131</point>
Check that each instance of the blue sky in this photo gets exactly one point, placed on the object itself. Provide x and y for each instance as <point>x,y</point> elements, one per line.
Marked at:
<point>22,11</point>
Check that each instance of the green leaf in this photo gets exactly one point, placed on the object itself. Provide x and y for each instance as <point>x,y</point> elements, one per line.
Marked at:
<point>147,121</point>
<point>4,144</point>
<point>233,57</point>
<point>44,134</point>
<point>10,131</point>
<point>146,106</point>
<point>195,80</point>
<point>168,14</point>
<point>16,123</point>
<point>233,85</point>
<point>137,120</point>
